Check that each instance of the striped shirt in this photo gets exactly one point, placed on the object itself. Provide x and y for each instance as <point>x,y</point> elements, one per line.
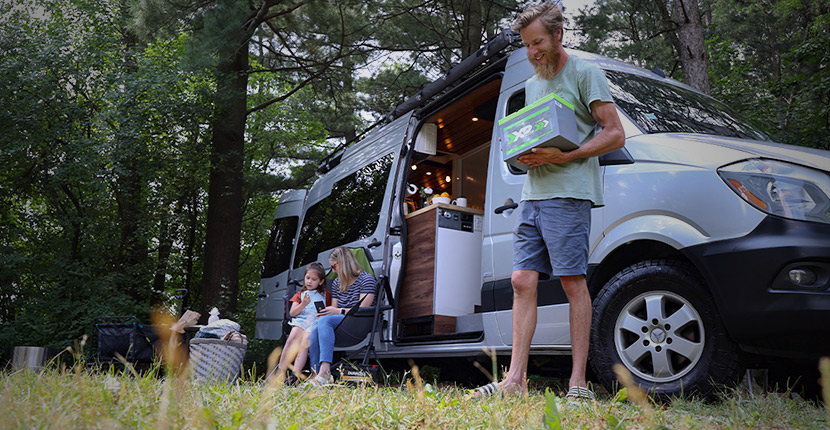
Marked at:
<point>364,284</point>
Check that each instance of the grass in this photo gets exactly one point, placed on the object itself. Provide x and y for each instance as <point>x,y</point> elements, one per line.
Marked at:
<point>165,397</point>
<point>80,398</point>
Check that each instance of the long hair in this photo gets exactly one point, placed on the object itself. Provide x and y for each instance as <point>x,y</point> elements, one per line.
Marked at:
<point>347,267</point>
<point>549,13</point>
<point>318,270</point>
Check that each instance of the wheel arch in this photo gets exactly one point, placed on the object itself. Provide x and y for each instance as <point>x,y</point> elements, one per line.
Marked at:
<point>632,253</point>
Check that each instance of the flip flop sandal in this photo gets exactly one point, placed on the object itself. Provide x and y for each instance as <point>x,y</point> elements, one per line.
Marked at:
<point>579,393</point>
<point>485,390</point>
<point>317,382</point>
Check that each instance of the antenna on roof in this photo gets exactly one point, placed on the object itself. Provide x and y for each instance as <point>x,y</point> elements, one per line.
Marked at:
<point>658,71</point>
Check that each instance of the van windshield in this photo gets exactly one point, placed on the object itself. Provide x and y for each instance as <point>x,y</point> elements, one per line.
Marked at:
<point>659,107</point>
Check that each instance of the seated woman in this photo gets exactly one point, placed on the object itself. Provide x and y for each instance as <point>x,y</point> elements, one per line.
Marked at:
<point>351,287</point>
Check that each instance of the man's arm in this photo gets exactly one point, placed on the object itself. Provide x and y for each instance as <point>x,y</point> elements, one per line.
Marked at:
<point>610,138</point>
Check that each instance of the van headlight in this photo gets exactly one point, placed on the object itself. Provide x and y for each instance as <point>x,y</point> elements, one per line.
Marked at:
<point>780,188</point>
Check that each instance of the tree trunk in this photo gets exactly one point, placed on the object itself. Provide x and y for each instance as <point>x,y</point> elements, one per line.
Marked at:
<point>692,47</point>
<point>129,188</point>
<point>220,285</point>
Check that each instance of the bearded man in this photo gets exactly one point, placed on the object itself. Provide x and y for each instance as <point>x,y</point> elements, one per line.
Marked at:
<point>551,234</point>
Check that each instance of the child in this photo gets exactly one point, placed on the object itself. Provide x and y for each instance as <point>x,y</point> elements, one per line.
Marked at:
<point>303,318</point>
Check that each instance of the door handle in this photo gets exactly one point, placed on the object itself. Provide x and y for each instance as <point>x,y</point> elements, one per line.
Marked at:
<point>374,243</point>
<point>507,206</point>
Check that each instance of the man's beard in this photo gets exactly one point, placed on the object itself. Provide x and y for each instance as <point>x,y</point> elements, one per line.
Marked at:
<point>546,70</point>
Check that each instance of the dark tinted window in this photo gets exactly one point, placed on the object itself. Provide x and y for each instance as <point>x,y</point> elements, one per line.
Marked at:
<point>278,254</point>
<point>349,213</point>
<point>516,102</point>
<point>662,108</point>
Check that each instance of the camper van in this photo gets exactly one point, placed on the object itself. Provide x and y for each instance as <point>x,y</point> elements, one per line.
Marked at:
<point>713,244</point>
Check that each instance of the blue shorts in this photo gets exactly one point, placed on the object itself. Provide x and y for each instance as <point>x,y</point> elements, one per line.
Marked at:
<point>551,237</point>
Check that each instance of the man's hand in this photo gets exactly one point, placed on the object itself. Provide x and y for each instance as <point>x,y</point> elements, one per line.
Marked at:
<point>548,155</point>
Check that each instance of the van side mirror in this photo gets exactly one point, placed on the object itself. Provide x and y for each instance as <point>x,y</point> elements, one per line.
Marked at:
<point>616,157</point>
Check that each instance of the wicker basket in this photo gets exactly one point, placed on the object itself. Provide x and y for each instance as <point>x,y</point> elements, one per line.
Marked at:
<point>216,360</point>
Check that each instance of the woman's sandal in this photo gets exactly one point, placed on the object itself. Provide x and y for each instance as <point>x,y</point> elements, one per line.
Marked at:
<point>318,382</point>
<point>579,393</point>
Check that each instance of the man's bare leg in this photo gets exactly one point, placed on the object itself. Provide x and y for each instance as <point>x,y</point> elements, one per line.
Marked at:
<point>576,288</point>
<point>524,325</point>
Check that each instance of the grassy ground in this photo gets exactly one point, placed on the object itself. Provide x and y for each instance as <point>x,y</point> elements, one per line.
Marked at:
<point>80,398</point>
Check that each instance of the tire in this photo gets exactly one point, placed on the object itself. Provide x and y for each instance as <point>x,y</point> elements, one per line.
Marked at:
<point>658,320</point>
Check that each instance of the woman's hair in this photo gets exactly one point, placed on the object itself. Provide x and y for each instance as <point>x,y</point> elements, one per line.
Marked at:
<point>549,13</point>
<point>318,270</point>
<point>347,267</point>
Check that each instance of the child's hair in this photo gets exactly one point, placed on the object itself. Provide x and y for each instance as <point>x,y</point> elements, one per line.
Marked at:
<point>318,270</point>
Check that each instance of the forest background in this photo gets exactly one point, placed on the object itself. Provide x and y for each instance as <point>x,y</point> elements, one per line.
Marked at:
<point>145,143</point>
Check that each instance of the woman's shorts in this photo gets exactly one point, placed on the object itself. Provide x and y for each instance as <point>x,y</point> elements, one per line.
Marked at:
<point>551,237</point>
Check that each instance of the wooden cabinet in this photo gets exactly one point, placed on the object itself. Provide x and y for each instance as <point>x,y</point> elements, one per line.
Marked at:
<point>418,312</point>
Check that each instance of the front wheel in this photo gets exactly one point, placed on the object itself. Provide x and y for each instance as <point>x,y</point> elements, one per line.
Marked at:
<point>659,321</point>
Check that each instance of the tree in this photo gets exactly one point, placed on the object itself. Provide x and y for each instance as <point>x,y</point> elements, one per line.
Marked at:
<point>84,109</point>
<point>650,34</point>
<point>770,61</point>
<point>767,59</point>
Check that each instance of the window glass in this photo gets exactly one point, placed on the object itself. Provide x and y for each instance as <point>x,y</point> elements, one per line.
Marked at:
<point>516,102</point>
<point>659,107</point>
<point>349,213</point>
<point>278,254</point>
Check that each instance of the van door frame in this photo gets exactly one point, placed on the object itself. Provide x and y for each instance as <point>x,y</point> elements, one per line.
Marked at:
<point>397,225</point>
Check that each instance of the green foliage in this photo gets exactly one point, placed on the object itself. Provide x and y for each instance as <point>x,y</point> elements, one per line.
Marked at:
<point>630,30</point>
<point>773,66</point>
<point>768,59</point>
<point>552,419</point>
<point>388,87</point>
<point>104,170</point>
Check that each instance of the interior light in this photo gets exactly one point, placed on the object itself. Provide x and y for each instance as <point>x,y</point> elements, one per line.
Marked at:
<point>414,167</point>
<point>448,178</point>
<point>429,173</point>
<point>475,118</point>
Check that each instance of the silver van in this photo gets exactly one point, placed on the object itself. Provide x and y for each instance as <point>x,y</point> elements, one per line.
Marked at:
<point>713,245</point>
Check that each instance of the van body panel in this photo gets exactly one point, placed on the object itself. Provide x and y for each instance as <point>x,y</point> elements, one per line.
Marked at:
<point>552,327</point>
<point>272,300</point>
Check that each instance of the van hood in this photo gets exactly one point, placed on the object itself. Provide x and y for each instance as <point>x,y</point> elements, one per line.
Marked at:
<point>810,157</point>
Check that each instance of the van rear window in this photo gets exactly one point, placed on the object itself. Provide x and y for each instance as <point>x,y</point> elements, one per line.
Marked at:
<point>278,254</point>
<point>348,214</point>
<point>659,107</point>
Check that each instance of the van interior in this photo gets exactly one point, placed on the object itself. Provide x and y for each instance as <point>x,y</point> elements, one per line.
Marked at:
<point>439,298</point>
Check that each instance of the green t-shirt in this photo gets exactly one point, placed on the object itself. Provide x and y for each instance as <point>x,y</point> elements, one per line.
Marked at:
<point>580,83</point>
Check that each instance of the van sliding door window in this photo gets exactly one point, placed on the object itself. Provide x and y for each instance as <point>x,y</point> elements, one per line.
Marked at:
<point>350,213</point>
<point>278,254</point>
<point>515,103</point>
